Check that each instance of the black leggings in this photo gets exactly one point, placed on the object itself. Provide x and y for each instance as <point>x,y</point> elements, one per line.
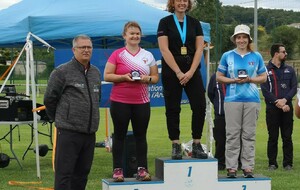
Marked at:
<point>139,115</point>
<point>173,93</point>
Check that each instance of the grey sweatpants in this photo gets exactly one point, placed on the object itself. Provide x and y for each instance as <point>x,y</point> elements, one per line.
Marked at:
<point>241,119</point>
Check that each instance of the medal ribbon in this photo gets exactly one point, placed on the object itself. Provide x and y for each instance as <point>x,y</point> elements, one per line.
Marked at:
<point>182,31</point>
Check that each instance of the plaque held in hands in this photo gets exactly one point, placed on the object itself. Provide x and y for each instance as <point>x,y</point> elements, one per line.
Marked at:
<point>135,74</point>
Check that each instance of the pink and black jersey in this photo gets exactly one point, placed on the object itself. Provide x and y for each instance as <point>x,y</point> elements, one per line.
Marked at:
<point>131,92</point>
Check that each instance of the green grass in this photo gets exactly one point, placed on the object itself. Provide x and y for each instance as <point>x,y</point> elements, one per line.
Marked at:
<point>159,146</point>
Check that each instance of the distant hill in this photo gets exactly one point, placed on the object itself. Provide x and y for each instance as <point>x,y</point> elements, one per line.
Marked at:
<point>269,18</point>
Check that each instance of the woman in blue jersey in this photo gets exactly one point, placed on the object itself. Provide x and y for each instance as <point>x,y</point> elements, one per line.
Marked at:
<point>241,69</point>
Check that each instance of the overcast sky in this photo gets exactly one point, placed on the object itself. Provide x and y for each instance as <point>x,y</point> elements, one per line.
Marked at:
<point>277,4</point>
<point>6,3</point>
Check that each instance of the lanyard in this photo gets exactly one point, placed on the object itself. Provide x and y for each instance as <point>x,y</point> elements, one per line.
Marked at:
<point>182,31</point>
<point>275,83</point>
<point>224,89</point>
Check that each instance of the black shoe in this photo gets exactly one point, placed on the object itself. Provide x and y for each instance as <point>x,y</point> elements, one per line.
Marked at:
<point>231,173</point>
<point>176,151</point>
<point>248,174</point>
<point>272,167</point>
<point>198,152</point>
<point>288,167</point>
<point>221,167</point>
<point>100,144</point>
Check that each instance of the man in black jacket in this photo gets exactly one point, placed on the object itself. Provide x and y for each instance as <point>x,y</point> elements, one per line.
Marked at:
<point>278,91</point>
<point>72,101</point>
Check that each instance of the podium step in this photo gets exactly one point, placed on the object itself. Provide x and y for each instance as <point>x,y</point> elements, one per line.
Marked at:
<point>189,174</point>
<point>132,184</point>
<point>240,183</point>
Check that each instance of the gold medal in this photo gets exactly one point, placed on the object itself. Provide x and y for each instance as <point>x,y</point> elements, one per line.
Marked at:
<point>183,50</point>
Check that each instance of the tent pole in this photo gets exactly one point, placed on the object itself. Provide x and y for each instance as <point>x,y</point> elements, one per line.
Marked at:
<point>27,68</point>
<point>33,91</point>
<point>210,124</point>
<point>30,61</point>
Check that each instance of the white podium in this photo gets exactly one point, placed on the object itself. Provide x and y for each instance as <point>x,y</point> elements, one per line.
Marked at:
<point>189,174</point>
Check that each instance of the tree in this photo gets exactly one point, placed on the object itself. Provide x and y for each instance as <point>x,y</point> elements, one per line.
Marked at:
<point>288,36</point>
<point>210,11</point>
<point>6,54</point>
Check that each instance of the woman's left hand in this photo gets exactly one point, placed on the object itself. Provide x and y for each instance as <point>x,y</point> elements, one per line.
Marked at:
<point>186,78</point>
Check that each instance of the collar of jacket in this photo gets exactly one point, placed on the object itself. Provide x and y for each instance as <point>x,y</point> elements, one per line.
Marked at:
<point>271,64</point>
<point>79,65</point>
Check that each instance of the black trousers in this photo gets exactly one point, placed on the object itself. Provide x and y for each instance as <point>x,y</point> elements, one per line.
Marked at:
<point>219,133</point>
<point>172,96</point>
<point>139,115</point>
<point>74,155</point>
<point>277,120</point>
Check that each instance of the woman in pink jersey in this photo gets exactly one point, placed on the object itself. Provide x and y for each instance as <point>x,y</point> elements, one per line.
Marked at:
<point>131,69</point>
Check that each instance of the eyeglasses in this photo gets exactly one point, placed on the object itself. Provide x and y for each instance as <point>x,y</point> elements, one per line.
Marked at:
<point>284,52</point>
<point>83,48</point>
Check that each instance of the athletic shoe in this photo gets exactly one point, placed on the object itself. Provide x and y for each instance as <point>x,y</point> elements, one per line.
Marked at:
<point>288,167</point>
<point>248,174</point>
<point>118,175</point>
<point>176,151</point>
<point>198,152</point>
<point>272,167</point>
<point>231,173</point>
<point>143,174</point>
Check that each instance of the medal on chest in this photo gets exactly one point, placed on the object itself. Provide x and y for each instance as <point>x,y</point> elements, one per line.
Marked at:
<point>182,33</point>
<point>183,50</point>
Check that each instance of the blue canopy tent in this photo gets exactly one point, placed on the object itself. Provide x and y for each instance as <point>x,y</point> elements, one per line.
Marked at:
<point>57,22</point>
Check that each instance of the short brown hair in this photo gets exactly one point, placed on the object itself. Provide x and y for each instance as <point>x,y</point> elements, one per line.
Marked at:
<point>131,24</point>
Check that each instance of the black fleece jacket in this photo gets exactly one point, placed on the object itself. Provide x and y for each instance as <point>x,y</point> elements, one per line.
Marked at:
<point>72,97</point>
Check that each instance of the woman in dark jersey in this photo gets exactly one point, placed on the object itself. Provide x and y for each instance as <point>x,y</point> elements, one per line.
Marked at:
<point>180,40</point>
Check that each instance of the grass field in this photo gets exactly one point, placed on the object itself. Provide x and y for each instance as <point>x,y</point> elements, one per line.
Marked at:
<point>159,146</point>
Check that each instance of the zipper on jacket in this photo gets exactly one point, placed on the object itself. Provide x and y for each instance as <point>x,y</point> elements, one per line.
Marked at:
<point>91,102</point>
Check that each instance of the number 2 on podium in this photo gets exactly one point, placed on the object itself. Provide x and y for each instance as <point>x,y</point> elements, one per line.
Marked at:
<point>190,171</point>
<point>244,187</point>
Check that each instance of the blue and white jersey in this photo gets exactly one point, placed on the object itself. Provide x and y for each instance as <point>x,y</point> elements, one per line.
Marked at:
<point>231,65</point>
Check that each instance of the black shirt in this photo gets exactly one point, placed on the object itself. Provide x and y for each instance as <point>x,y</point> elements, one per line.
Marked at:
<point>167,27</point>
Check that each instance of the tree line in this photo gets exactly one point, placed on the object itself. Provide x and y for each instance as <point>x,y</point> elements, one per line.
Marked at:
<point>273,26</point>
